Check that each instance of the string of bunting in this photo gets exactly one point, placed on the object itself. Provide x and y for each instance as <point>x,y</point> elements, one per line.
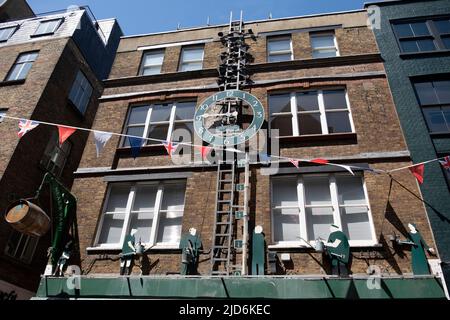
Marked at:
<point>136,143</point>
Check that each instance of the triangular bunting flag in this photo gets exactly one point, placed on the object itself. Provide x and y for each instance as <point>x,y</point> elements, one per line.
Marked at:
<point>136,145</point>
<point>445,163</point>
<point>25,126</point>
<point>101,138</point>
<point>319,161</point>
<point>64,133</point>
<point>170,147</point>
<point>348,168</point>
<point>418,171</point>
<point>204,151</point>
<point>294,162</point>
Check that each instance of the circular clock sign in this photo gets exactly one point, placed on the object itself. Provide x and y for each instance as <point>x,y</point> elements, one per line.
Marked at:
<point>229,118</point>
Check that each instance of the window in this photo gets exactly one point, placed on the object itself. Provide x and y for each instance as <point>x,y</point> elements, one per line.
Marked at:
<point>434,98</point>
<point>21,246</point>
<point>154,208</point>
<point>423,35</point>
<point>22,66</point>
<point>304,207</point>
<point>191,58</point>
<point>152,62</point>
<point>310,112</point>
<point>2,113</point>
<point>6,33</point>
<point>279,49</point>
<point>55,156</point>
<point>47,27</point>
<point>324,45</point>
<point>158,121</point>
<point>81,92</point>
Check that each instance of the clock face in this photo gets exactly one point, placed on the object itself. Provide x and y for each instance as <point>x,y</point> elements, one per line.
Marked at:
<point>229,118</point>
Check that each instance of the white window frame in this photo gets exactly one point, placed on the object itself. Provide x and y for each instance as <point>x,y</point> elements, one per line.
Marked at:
<point>148,123</point>
<point>183,62</point>
<point>22,66</point>
<point>128,213</point>
<point>323,112</point>
<point>84,87</point>
<point>12,29</point>
<point>322,34</point>
<point>48,32</point>
<point>303,227</point>
<point>282,52</point>
<point>145,66</point>
<point>26,238</point>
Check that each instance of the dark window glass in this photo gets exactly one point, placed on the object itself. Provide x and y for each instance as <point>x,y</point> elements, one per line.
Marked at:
<point>403,30</point>
<point>409,46</point>
<point>334,99</point>
<point>435,119</point>
<point>338,122</point>
<point>280,103</point>
<point>309,123</point>
<point>157,131</point>
<point>443,91</point>
<point>420,29</point>
<point>283,124</point>
<point>446,41</point>
<point>443,26</point>
<point>426,93</point>
<point>426,45</point>
<point>307,101</point>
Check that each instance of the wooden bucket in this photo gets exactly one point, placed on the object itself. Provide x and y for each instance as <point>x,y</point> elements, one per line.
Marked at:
<point>27,218</point>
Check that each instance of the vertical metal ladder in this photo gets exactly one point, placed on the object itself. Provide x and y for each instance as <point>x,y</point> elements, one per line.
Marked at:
<point>223,234</point>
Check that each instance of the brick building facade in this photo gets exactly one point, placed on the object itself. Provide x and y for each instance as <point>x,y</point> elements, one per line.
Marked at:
<point>43,61</point>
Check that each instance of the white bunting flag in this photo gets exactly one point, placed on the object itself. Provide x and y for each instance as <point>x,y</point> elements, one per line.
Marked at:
<point>101,138</point>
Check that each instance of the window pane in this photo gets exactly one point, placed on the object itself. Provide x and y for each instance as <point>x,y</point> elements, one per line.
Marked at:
<point>309,123</point>
<point>142,221</point>
<point>283,124</point>
<point>14,73</point>
<point>169,229</point>
<point>27,254</point>
<point>151,70</point>
<point>319,221</point>
<point>138,115</point>
<point>6,33</point>
<point>307,101</point>
<point>443,91</point>
<point>112,228</point>
<point>154,58</point>
<point>420,29</point>
<point>191,66</point>
<point>286,225</point>
<point>403,30</point>
<point>324,53</point>
<point>284,192</point>
<point>145,198</point>
<point>280,57</point>
<point>350,190</point>
<point>192,54</point>
<point>338,122</point>
<point>426,93</point>
<point>118,198</point>
<point>317,190</point>
<point>23,72</point>
<point>435,119</point>
<point>185,110</point>
<point>173,197</point>
<point>133,131</point>
<point>322,41</point>
<point>355,223</point>
<point>161,112</point>
<point>446,41</point>
<point>426,45</point>
<point>177,135</point>
<point>157,131</point>
<point>446,112</point>
<point>334,99</point>
<point>13,242</point>
<point>443,26</point>
<point>279,44</point>
<point>280,103</point>
<point>409,46</point>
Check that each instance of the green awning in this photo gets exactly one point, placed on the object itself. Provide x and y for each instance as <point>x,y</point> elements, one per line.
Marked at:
<point>241,287</point>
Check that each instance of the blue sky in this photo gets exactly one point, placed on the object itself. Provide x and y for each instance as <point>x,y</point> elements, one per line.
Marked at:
<point>146,16</point>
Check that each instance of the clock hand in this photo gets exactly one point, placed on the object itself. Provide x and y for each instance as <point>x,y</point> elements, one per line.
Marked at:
<point>228,114</point>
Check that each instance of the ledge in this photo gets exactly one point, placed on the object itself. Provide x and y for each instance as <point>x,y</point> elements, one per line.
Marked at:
<point>11,82</point>
<point>424,54</point>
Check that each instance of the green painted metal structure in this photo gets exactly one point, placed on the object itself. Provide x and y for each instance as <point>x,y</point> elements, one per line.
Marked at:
<point>266,287</point>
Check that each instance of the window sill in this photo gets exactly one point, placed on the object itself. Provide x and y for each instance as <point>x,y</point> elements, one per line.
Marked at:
<point>440,134</point>
<point>93,250</point>
<point>424,54</point>
<point>42,35</point>
<point>153,149</point>
<point>303,246</point>
<point>318,139</point>
<point>11,82</point>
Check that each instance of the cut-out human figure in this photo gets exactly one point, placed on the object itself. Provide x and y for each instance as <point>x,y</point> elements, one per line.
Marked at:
<point>190,244</point>
<point>65,256</point>
<point>128,252</point>
<point>258,251</point>
<point>338,250</point>
<point>419,260</point>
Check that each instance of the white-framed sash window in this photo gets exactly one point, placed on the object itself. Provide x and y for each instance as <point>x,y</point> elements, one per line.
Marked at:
<point>324,45</point>
<point>279,48</point>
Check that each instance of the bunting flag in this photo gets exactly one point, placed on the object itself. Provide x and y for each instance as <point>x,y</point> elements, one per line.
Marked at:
<point>204,151</point>
<point>294,162</point>
<point>418,171</point>
<point>348,168</point>
<point>264,157</point>
<point>101,138</point>
<point>136,145</point>
<point>319,161</point>
<point>170,147</point>
<point>25,126</point>
<point>64,133</point>
<point>445,163</point>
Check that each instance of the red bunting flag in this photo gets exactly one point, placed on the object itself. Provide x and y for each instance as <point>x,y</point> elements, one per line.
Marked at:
<point>204,151</point>
<point>320,161</point>
<point>445,163</point>
<point>294,162</point>
<point>170,147</point>
<point>418,171</point>
<point>64,133</point>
